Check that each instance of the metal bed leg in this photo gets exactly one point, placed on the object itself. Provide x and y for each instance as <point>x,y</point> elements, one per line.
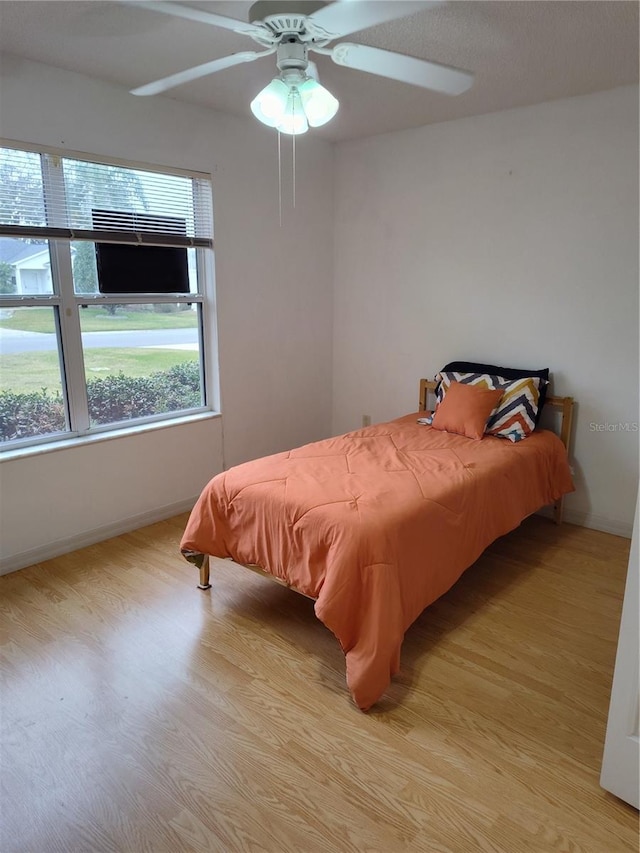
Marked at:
<point>204,573</point>
<point>557,511</point>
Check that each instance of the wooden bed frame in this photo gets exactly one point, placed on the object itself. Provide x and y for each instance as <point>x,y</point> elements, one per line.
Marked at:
<point>428,386</point>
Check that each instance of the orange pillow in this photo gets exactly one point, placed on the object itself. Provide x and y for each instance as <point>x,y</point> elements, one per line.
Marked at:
<point>466,409</point>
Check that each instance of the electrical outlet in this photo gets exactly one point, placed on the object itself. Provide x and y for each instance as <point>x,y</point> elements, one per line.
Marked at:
<point>366,420</point>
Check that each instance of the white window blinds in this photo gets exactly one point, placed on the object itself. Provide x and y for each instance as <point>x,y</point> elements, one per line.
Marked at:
<point>50,197</point>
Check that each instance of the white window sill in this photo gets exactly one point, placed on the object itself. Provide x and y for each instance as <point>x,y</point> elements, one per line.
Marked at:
<point>108,435</point>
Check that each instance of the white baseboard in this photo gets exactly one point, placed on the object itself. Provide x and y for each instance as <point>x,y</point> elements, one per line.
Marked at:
<point>89,537</point>
<point>599,522</point>
<point>133,522</point>
<point>593,521</point>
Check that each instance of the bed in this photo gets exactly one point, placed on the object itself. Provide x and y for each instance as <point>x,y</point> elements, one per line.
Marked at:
<point>376,524</point>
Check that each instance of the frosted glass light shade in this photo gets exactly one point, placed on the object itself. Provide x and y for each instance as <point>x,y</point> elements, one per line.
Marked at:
<point>319,104</point>
<point>270,104</point>
<point>294,120</point>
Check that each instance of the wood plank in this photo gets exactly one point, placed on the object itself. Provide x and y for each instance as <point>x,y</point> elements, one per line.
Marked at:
<point>139,713</point>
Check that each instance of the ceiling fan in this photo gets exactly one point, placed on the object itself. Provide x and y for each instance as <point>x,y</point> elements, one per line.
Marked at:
<point>291,28</point>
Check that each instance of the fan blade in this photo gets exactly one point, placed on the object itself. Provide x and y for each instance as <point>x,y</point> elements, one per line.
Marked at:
<point>180,11</point>
<point>408,69</point>
<point>199,71</point>
<point>350,16</point>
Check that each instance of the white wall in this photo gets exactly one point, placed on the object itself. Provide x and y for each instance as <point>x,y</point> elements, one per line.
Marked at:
<point>274,296</point>
<point>509,238</point>
<point>61,500</point>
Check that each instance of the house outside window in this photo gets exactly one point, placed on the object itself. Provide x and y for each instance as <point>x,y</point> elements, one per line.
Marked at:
<point>106,289</point>
<point>30,267</point>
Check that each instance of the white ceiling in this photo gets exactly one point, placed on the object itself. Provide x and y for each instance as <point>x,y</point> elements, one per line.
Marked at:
<point>521,53</point>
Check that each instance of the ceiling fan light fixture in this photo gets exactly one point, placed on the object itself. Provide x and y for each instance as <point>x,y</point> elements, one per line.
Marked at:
<point>291,106</point>
<point>319,104</point>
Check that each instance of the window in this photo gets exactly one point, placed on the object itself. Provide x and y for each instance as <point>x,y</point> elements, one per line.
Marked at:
<point>106,286</point>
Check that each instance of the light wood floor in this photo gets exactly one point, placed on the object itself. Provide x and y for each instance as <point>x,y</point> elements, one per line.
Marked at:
<point>140,714</point>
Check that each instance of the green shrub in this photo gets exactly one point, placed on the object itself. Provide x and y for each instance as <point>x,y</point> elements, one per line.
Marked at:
<point>120,398</point>
<point>26,415</point>
<point>111,399</point>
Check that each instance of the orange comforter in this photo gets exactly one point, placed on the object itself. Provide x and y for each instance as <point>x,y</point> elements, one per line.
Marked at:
<point>376,524</point>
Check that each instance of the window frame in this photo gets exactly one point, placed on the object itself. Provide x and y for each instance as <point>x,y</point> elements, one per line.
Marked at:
<point>66,305</point>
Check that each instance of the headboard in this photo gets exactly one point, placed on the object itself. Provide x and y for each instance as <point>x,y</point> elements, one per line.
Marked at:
<point>563,404</point>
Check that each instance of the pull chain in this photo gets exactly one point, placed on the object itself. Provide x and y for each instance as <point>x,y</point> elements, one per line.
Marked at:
<point>279,181</point>
<point>293,148</point>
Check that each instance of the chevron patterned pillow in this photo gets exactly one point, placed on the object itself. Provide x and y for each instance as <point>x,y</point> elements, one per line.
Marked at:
<point>515,416</point>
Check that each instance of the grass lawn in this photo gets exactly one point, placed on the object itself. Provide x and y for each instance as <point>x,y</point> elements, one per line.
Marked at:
<point>33,371</point>
<point>99,320</point>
